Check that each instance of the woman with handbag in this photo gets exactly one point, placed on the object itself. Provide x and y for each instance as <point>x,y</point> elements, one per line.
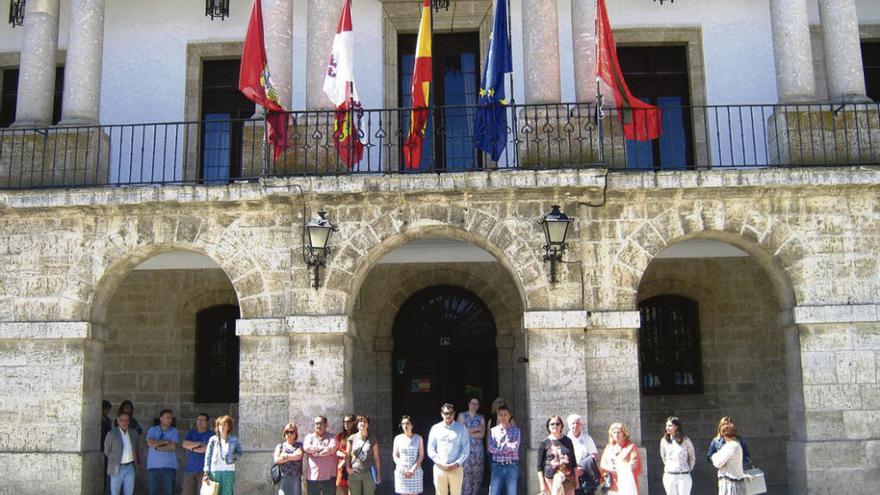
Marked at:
<point>621,461</point>
<point>362,461</point>
<point>221,454</point>
<point>557,464</point>
<point>677,454</point>
<point>289,459</point>
<point>729,462</point>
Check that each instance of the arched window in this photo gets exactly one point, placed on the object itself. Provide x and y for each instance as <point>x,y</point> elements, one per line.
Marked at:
<point>669,346</point>
<point>217,353</point>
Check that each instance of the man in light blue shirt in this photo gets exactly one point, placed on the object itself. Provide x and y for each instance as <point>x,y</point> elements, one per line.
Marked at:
<point>448,446</point>
<point>162,455</point>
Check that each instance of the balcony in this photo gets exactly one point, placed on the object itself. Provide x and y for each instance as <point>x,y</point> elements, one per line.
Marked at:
<point>559,136</point>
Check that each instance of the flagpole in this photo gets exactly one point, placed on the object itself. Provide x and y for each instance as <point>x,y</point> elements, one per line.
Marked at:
<point>431,95</point>
<point>350,122</point>
<point>600,112</point>
<point>512,93</point>
<point>265,141</point>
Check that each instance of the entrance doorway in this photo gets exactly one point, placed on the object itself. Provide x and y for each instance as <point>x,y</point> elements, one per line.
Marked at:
<point>456,82</point>
<point>444,351</point>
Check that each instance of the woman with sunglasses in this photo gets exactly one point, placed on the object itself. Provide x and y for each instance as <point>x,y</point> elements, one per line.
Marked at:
<point>408,453</point>
<point>557,467</point>
<point>349,428</point>
<point>289,455</point>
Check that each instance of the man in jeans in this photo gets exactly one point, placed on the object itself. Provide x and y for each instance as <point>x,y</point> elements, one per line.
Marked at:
<point>448,446</point>
<point>504,439</point>
<point>194,443</point>
<point>320,449</point>
<point>162,441</point>
<point>121,447</point>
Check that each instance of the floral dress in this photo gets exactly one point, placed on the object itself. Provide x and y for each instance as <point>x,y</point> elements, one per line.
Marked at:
<point>473,466</point>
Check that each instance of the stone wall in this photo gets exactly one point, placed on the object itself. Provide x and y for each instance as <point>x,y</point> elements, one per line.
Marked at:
<point>744,373</point>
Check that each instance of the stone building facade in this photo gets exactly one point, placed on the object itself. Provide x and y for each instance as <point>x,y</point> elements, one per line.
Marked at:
<point>103,286</point>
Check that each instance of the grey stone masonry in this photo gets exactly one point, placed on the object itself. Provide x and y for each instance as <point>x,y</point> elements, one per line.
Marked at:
<point>791,49</point>
<point>82,73</point>
<point>36,77</point>
<point>843,53</point>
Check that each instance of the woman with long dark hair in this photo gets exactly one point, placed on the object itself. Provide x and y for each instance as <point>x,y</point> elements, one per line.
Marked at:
<point>677,454</point>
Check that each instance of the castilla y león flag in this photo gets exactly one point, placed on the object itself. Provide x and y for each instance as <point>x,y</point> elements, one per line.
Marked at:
<point>641,121</point>
<point>339,87</point>
<point>255,82</point>
<point>421,89</point>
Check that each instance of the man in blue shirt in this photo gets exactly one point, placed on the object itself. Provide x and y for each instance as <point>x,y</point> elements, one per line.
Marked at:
<point>162,441</point>
<point>194,444</point>
<point>448,446</point>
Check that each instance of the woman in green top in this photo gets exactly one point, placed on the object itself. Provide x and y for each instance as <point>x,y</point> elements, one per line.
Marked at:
<point>362,460</point>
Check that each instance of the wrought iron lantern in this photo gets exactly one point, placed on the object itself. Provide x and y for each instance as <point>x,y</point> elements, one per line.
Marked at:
<point>16,12</point>
<point>217,8</point>
<point>661,1</point>
<point>318,231</point>
<point>440,4</point>
<point>555,225</point>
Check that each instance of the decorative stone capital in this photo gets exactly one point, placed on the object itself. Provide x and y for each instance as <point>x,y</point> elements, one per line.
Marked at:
<point>844,313</point>
<point>260,327</point>
<point>615,319</point>
<point>320,324</point>
<point>554,319</point>
<point>49,330</point>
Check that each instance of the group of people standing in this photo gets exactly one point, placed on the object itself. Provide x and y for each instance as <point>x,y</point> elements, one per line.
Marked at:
<point>350,462</point>
<point>211,455</point>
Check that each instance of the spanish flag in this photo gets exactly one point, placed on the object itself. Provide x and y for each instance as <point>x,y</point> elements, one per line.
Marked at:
<point>421,88</point>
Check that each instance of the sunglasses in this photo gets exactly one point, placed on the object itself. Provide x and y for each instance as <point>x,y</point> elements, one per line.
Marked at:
<point>555,424</point>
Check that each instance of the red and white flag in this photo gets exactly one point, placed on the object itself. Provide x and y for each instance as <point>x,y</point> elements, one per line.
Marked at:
<point>339,87</point>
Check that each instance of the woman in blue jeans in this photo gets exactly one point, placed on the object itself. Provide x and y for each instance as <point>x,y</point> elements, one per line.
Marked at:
<point>504,442</point>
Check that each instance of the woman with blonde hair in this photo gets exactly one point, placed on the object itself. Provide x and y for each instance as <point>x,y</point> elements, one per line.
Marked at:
<point>729,461</point>
<point>718,442</point>
<point>620,459</point>
<point>221,454</point>
<point>289,456</point>
<point>677,454</point>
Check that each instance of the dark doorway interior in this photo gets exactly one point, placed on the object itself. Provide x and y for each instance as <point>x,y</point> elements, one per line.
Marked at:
<point>224,110</point>
<point>444,351</point>
<point>659,75</point>
<point>871,61</point>
<point>456,82</point>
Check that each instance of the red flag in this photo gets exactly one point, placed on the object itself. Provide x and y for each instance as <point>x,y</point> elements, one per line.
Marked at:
<point>255,82</point>
<point>339,87</point>
<point>641,121</point>
<point>421,89</point>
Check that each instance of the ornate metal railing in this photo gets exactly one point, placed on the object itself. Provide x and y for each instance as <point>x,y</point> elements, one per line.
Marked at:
<point>557,136</point>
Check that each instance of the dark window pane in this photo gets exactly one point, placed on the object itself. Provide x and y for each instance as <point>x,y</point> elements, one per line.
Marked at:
<point>217,354</point>
<point>669,346</point>
<point>871,61</point>
<point>222,101</point>
<point>10,96</point>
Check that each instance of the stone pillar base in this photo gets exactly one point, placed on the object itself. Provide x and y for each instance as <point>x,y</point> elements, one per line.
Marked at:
<point>54,157</point>
<point>560,136</point>
<point>817,135</point>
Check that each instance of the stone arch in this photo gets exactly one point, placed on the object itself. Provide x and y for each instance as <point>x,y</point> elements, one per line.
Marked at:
<point>143,238</point>
<point>773,245</point>
<point>364,247</point>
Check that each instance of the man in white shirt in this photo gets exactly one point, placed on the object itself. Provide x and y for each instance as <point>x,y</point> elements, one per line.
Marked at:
<point>121,447</point>
<point>584,446</point>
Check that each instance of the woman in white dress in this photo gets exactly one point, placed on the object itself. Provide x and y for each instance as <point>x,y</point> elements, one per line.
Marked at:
<point>408,453</point>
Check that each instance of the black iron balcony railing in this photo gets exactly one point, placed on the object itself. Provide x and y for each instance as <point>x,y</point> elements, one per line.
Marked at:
<point>558,136</point>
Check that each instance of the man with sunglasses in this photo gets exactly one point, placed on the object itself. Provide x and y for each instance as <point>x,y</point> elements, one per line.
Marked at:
<point>448,447</point>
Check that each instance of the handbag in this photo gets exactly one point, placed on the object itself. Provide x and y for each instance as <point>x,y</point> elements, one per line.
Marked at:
<point>276,473</point>
<point>606,483</point>
<point>209,488</point>
<point>754,481</point>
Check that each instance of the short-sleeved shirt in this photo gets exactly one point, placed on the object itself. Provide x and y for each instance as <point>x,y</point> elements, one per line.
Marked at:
<point>362,452</point>
<point>156,459</point>
<point>194,460</point>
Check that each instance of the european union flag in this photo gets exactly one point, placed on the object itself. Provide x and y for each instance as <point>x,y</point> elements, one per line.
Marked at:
<point>490,128</point>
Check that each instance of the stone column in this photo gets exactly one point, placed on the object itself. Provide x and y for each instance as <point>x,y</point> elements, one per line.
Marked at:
<point>36,77</point>
<point>556,374</point>
<point>840,398</point>
<point>584,37</point>
<point>51,376</point>
<point>322,19</point>
<point>612,375</point>
<point>791,48</point>
<point>263,400</point>
<point>843,53</point>
<point>82,70</point>
<point>541,50</point>
<point>279,46</point>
